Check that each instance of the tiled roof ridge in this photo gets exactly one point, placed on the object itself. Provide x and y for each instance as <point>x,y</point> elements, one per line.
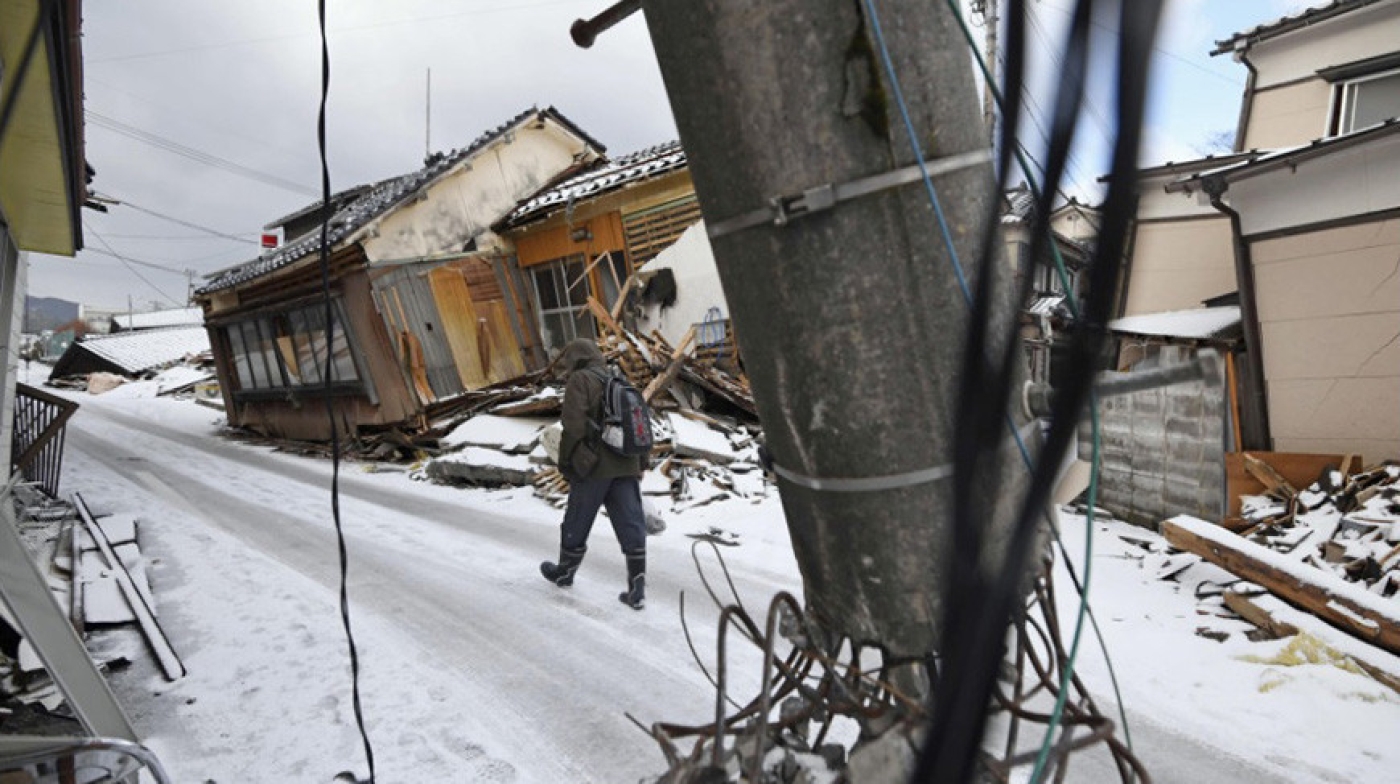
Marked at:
<point>381,198</point>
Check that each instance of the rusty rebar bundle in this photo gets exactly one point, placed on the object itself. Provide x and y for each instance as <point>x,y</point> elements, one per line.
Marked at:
<point>814,679</point>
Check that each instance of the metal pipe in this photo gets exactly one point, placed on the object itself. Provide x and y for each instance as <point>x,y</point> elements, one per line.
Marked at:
<point>586,31</point>
<point>1206,366</point>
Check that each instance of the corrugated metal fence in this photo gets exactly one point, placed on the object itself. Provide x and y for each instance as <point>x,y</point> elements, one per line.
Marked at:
<point>1163,451</point>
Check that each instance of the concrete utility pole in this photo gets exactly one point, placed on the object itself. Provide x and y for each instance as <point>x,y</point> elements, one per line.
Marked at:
<point>850,318</point>
<point>990,20</point>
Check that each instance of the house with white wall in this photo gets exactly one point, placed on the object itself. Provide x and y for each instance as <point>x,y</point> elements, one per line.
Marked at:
<point>422,304</point>
<point>1303,221</point>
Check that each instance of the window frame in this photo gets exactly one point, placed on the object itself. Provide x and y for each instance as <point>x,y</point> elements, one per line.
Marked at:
<point>570,315</point>
<point>1344,120</point>
<point>264,363</point>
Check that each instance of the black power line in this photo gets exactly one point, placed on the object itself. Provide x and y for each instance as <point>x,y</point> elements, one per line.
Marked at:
<point>177,221</point>
<point>199,156</point>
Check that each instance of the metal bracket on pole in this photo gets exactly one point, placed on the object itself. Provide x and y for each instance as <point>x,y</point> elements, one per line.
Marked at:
<point>1038,399</point>
<point>782,209</point>
<point>586,31</point>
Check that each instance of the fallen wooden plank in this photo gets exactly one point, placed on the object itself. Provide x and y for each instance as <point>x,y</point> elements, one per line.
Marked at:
<point>677,360</point>
<point>1270,612</point>
<point>1299,469</point>
<point>1345,605</point>
<point>1245,607</point>
<point>1271,479</point>
<point>160,645</point>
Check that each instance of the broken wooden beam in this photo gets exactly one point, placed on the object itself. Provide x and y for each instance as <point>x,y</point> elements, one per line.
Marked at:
<point>673,369</point>
<point>1269,612</point>
<point>1266,474</point>
<point>1347,606</point>
<point>160,645</point>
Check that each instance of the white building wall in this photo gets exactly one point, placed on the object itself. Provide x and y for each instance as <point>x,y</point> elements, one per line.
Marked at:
<point>1349,38</point>
<point>698,287</point>
<point>478,193</point>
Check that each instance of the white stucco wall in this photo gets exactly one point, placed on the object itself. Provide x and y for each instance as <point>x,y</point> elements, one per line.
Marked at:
<point>1354,181</point>
<point>480,191</point>
<point>697,286</point>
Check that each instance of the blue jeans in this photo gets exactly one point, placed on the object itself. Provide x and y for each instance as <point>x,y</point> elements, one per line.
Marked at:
<point>623,498</point>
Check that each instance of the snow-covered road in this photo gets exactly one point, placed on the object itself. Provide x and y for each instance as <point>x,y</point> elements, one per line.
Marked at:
<point>476,669</point>
<point>473,665</point>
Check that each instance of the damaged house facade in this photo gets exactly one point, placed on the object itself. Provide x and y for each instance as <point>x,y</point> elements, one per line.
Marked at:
<point>424,305</point>
<point>585,237</point>
<point>1284,255</point>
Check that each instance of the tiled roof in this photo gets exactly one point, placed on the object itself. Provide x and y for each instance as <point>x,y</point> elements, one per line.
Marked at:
<point>145,349</point>
<point>605,177</point>
<point>1309,16</point>
<point>1020,206</point>
<point>179,317</point>
<point>378,200</point>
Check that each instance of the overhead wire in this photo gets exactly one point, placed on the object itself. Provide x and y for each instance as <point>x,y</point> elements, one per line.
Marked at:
<point>199,156</point>
<point>329,316</point>
<point>350,29</point>
<point>129,265</point>
<point>177,221</point>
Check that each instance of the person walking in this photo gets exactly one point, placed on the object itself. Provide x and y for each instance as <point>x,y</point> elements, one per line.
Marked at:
<point>597,476</point>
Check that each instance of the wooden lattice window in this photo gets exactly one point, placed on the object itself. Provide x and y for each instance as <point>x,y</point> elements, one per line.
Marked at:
<point>654,229</point>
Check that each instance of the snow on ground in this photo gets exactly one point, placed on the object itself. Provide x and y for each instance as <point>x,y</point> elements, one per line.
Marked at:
<point>1307,722</point>
<point>466,688</point>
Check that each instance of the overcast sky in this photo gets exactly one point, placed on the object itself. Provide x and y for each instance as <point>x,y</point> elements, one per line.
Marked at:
<point>239,81</point>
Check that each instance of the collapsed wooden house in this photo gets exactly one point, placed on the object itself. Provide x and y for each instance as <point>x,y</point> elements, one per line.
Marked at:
<point>424,305</point>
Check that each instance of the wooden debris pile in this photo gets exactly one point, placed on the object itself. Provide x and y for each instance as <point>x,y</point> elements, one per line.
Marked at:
<point>1322,558</point>
<point>704,423</point>
<point>97,572</point>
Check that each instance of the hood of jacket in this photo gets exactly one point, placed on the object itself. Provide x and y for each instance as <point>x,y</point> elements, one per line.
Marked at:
<point>579,354</point>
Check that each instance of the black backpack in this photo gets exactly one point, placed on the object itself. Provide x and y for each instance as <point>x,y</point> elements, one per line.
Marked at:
<point>624,423</point>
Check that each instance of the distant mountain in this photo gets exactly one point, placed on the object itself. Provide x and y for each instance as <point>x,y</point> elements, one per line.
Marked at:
<point>41,313</point>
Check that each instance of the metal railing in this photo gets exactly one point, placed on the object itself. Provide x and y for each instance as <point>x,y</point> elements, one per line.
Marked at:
<point>36,448</point>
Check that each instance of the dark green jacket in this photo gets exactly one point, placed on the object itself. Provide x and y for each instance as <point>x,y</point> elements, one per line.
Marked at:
<point>581,454</point>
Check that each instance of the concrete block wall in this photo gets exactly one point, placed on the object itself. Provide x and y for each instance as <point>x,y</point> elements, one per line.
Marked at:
<point>1162,451</point>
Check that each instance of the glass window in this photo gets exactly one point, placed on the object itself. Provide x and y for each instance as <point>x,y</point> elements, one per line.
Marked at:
<point>289,350</point>
<point>257,365</point>
<point>240,357</point>
<point>562,291</point>
<point>1370,100</point>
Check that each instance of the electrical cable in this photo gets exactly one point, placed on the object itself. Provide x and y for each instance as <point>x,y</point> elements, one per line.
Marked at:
<point>326,393</point>
<point>951,749</point>
<point>1080,587</point>
<point>177,221</point>
<point>128,264</point>
<point>199,156</point>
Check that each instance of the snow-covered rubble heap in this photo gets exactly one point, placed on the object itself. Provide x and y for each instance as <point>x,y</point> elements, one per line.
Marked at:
<point>97,572</point>
<point>1322,563</point>
<point>703,424</point>
<point>1346,525</point>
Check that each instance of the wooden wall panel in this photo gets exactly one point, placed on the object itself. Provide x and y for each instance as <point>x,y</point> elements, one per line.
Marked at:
<point>459,323</point>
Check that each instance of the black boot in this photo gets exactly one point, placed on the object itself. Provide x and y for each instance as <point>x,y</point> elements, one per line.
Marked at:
<point>562,573</point>
<point>636,593</point>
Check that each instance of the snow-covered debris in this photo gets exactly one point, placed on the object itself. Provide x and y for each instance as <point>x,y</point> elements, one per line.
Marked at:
<point>513,435</point>
<point>476,465</point>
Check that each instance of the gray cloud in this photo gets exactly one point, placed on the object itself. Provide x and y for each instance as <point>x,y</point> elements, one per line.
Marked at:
<point>241,81</point>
